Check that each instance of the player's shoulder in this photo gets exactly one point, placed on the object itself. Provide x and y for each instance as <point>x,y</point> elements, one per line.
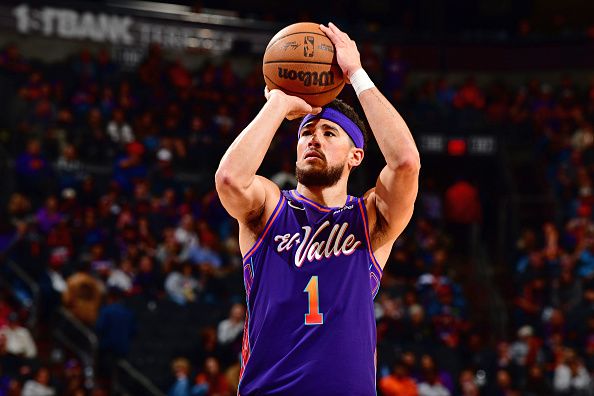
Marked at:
<point>270,188</point>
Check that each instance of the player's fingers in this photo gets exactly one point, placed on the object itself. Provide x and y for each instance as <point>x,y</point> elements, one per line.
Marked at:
<point>266,92</point>
<point>331,35</point>
<point>338,32</point>
<point>335,35</point>
<point>316,110</point>
<point>334,27</point>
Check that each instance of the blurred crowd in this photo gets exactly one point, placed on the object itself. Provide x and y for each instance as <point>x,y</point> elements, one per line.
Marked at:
<point>101,213</point>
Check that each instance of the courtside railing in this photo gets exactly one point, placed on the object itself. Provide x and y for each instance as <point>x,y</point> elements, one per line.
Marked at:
<point>129,381</point>
<point>73,335</point>
<point>32,305</point>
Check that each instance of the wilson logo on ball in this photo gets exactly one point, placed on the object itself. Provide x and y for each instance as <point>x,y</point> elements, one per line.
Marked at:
<point>308,46</point>
<point>322,79</point>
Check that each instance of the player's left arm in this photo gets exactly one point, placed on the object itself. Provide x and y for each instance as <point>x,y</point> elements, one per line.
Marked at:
<point>390,203</point>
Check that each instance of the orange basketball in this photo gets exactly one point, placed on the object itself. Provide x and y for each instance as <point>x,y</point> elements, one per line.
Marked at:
<point>301,61</point>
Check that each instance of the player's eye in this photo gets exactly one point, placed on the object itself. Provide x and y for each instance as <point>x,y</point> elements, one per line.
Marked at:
<point>305,132</point>
<point>329,133</point>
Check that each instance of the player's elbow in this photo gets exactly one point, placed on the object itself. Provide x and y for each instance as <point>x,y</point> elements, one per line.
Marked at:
<point>409,163</point>
<point>224,180</point>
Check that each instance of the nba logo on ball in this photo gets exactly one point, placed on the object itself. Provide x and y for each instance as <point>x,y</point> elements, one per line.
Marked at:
<point>311,73</point>
<point>308,46</point>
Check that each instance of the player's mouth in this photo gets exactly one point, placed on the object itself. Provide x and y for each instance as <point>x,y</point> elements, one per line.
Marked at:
<point>313,154</point>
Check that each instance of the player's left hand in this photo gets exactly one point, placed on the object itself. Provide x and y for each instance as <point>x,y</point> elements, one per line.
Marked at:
<point>295,106</point>
<point>347,54</point>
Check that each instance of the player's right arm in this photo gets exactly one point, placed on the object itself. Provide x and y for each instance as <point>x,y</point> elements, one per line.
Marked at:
<point>246,196</point>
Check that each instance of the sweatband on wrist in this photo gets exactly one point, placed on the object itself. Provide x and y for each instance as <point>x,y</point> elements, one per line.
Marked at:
<point>345,123</point>
<point>361,81</point>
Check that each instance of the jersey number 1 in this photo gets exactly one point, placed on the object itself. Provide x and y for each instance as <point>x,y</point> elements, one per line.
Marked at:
<point>313,317</point>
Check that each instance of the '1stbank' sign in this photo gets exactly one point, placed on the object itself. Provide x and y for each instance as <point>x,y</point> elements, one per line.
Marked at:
<point>71,24</point>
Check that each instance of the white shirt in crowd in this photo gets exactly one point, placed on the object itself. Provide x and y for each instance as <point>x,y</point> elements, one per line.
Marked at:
<point>181,288</point>
<point>120,133</point>
<point>34,388</point>
<point>437,389</point>
<point>565,382</point>
<point>19,341</point>
<point>120,279</point>
<point>229,330</point>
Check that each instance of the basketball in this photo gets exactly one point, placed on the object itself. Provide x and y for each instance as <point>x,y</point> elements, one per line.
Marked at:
<point>300,60</point>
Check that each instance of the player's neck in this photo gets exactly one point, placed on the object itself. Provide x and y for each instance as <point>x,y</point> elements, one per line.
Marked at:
<point>334,196</point>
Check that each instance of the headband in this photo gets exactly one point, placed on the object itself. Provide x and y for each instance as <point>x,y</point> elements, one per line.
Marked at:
<point>345,123</point>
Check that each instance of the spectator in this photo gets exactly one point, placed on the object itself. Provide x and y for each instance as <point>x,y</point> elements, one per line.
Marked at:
<point>83,297</point>
<point>181,371</point>
<point>399,382</point>
<point>122,277</point>
<point>92,140</point>
<point>19,341</point>
<point>417,334</point>
<point>39,386</point>
<point>230,329</point>
<point>469,95</point>
<point>33,171</point>
<point>430,386</point>
<point>118,130</point>
<point>181,286</point>
<point>185,233</point>
<point>115,327</point>
<point>468,385</point>
<point>207,346</point>
<point>13,61</point>
<point>462,208</point>
<point>503,384</point>
<point>537,382</point>
<point>462,204</point>
<point>571,377</point>
<point>211,380</point>
<point>147,280</point>
<point>74,379</point>
<point>525,351</point>
<point>69,168</point>
<point>130,168</point>
<point>567,289</point>
<point>48,216</point>
<point>444,378</point>
<point>162,176</point>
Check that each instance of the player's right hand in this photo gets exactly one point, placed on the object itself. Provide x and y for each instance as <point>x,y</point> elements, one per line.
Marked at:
<point>295,106</point>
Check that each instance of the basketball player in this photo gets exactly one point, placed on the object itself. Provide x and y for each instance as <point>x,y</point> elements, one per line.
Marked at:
<point>313,256</point>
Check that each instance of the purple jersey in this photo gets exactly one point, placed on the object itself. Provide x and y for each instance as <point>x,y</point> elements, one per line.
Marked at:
<point>310,280</point>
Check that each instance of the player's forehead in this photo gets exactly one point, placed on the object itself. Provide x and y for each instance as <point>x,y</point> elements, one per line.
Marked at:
<point>322,123</point>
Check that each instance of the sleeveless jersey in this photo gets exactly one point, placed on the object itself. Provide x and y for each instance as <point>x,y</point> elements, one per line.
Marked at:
<point>310,281</point>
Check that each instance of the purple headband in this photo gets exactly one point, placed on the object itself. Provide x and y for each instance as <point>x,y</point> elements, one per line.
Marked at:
<point>345,123</point>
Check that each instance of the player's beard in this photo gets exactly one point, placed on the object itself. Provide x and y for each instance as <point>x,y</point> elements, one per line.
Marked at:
<point>313,177</point>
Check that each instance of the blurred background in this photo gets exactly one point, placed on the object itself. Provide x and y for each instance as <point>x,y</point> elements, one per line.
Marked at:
<point>120,272</point>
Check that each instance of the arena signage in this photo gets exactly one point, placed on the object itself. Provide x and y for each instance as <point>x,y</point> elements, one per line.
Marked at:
<point>476,145</point>
<point>67,23</point>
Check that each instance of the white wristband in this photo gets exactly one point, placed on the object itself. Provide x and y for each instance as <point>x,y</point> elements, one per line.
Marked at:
<point>361,81</point>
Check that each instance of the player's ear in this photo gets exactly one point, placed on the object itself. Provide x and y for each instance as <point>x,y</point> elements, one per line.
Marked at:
<point>356,157</point>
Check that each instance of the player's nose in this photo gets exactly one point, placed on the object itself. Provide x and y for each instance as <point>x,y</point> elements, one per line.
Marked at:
<point>314,141</point>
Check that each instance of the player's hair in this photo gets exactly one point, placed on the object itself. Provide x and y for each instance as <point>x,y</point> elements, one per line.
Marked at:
<point>348,111</point>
